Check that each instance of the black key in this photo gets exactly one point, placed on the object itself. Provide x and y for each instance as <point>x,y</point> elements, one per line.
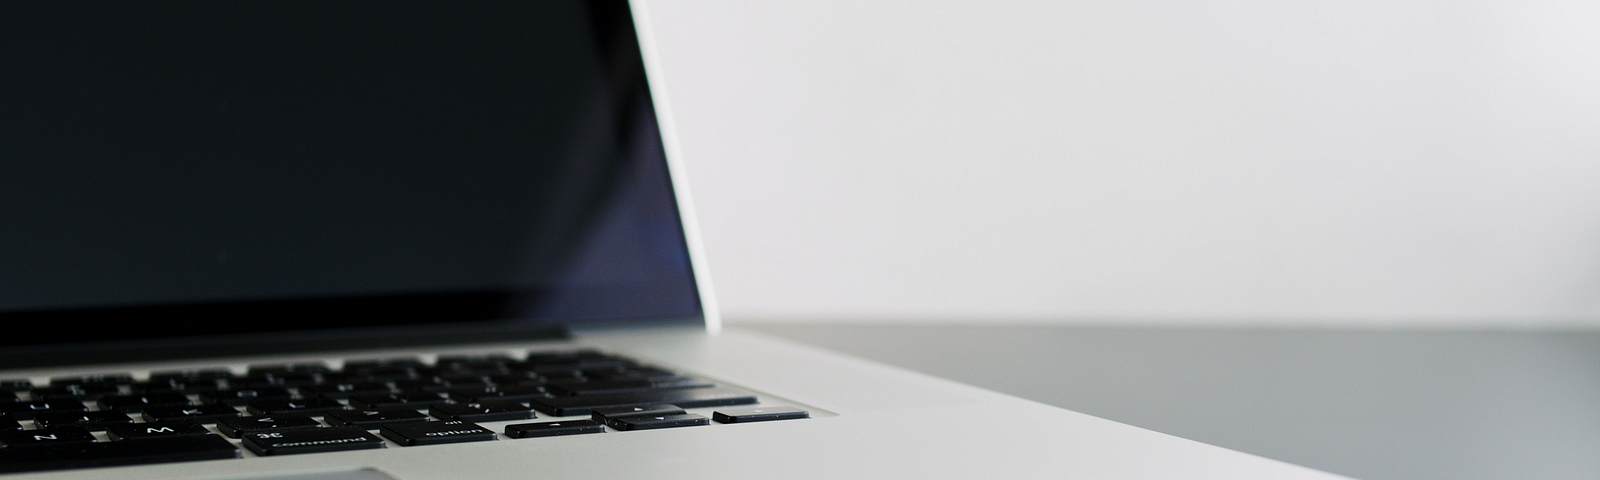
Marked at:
<point>563,376</point>
<point>106,454</point>
<point>95,379</point>
<point>483,394</point>
<point>485,364</point>
<point>315,440</point>
<point>411,399</point>
<point>683,398</point>
<point>551,429</point>
<point>372,375</point>
<point>483,369</point>
<point>648,422</point>
<point>378,372</point>
<point>236,426</point>
<point>91,420</point>
<point>383,364</point>
<point>16,385</point>
<point>758,414</point>
<point>45,436</point>
<point>149,430</point>
<point>463,380</point>
<point>374,417</point>
<point>435,433</point>
<point>186,376</point>
<point>582,364</point>
<point>308,406</point>
<point>6,396</point>
<point>344,389</point>
<point>7,423</point>
<point>429,385</point>
<point>602,367</point>
<point>567,358</point>
<point>134,403</point>
<point>635,373</point>
<point>62,395</point>
<point>489,357</point>
<point>174,385</point>
<point>517,379</point>
<point>607,387</point>
<point>309,367</point>
<point>79,391</point>
<point>605,373</point>
<point>331,378</point>
<point>209,413</point>
<point>26,410</point>
<point>601,414</point>
<point>241,396</point>
<point>280,379</point>
<point>495,411</point>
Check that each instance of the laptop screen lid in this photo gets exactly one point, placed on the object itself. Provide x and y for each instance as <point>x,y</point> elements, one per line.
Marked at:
<point>250,176</point>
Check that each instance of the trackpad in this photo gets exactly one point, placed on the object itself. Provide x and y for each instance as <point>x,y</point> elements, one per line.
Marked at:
<point>363,474</point>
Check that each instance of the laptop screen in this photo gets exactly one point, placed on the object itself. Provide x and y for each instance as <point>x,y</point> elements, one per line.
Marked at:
<point>229,167</point>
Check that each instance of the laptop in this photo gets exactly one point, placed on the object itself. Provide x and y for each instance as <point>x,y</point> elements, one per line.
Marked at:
<point>345,240</point>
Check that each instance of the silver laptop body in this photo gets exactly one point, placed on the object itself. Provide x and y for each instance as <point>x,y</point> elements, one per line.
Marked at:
<point>236,187</point>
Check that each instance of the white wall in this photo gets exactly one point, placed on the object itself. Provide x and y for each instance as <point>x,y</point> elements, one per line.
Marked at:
<point>1397,162</point>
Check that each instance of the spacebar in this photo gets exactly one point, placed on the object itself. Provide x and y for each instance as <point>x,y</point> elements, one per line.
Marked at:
<point>121,452</point>
<point>683,398</point>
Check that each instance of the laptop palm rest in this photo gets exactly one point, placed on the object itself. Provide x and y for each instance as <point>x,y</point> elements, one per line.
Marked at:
<point>361,474</point>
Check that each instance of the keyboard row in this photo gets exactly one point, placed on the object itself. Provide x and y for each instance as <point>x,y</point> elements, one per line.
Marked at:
<point>275,409</point>
<point>189,440</point>
<point>46,414</point>
<point>570,373</point>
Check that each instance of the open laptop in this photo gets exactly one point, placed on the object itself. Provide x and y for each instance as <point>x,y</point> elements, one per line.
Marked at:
<point>418,240</point>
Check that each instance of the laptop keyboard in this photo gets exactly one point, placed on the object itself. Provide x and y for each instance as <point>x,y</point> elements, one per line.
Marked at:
<point>285,409</point>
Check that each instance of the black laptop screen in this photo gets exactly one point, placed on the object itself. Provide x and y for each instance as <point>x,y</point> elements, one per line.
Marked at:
<point>221,167</point>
